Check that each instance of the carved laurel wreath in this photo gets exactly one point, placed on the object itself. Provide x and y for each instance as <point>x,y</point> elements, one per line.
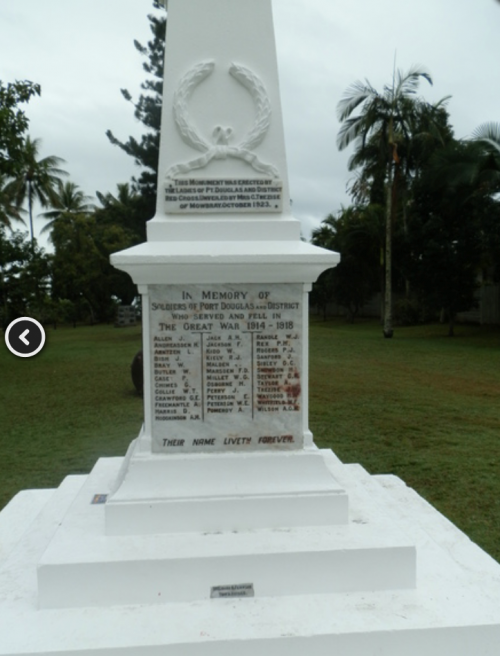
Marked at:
<point>220,148</point>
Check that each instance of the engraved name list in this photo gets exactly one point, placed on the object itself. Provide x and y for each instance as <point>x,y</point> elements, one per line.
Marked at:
<point>226,367</point>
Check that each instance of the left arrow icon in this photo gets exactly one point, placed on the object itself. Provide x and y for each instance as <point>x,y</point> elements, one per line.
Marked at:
<point>23,337</point>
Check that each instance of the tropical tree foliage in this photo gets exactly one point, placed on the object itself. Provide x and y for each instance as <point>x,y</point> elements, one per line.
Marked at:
<point>453,218</point>
<point>24,278</point>
<point>357,233</point>
<point>127,209</point>
<point>13,122</point>
<point>81,271</point>
<point>9,210</point>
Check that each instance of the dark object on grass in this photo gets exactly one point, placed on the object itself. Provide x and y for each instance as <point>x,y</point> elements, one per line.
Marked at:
<point>137,371</point>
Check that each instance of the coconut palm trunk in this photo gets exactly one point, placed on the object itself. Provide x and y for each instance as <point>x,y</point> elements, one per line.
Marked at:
<point>388,327</point>
<point>30,211</point>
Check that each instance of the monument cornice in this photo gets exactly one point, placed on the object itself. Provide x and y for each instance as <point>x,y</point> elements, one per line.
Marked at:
<point>253,261</point>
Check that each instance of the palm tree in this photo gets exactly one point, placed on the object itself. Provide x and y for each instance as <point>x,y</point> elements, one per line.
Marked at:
<point>36,179</point>
<point>68,199</point>
<point>382,130</point>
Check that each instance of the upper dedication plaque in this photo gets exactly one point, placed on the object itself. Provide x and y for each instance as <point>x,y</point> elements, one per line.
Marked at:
<point>202,196</point>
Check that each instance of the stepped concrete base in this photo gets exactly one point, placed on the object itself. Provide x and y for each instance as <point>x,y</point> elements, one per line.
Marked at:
<point>452,607</point>
<point>223,492</point>
<point>82,566</point>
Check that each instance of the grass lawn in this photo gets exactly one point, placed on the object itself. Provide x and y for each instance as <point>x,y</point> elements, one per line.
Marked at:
<point>422,406</point>
<point>66,406</point>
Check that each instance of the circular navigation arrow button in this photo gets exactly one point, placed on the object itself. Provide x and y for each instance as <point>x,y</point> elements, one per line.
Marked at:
<point>25,337</point>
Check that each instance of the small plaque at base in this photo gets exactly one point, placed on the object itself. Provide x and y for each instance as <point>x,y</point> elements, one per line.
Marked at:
<point>231,591</point>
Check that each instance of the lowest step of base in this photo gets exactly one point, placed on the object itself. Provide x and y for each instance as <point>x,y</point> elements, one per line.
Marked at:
<point>391,578</point>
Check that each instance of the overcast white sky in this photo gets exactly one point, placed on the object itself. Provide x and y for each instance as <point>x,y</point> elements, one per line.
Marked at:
<point>82,53</point>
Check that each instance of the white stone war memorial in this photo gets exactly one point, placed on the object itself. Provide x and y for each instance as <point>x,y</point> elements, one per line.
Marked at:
<point>224,530</point>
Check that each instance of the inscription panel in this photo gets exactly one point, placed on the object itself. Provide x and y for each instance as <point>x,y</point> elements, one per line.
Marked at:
<point>226,367</point>
<point>210,195</point>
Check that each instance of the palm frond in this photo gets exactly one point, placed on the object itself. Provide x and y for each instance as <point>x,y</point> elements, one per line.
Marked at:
<point>9,211</point>
<point>354,96</point>
<point>408,83</point>
<point>442,102</point>
<point>488,133</point>
<point>366,154</point>
<point>349,130</point>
